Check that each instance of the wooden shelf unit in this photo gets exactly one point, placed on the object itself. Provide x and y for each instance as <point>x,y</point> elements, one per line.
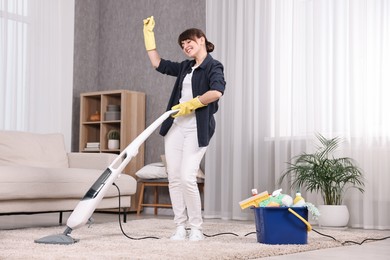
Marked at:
<point>130,124</point>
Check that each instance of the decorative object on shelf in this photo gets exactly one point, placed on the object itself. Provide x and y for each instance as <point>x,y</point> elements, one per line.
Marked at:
<point>95,116</point>
<point>331,177</point>
<point>113,137</point>
<point>113,113</point>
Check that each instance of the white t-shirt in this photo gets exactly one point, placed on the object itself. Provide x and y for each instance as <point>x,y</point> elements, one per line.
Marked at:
<point>186,95</point>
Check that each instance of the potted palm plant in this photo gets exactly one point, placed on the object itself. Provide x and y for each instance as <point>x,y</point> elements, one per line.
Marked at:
<point>113,137</point>
<point>321,172</point>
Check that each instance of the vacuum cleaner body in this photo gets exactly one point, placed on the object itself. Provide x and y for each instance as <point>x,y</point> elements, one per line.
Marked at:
<point>95,194</point>
<point>87,205</point>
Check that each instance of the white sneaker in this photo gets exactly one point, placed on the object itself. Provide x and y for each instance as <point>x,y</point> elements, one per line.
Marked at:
<point>196,235</point>
<point>180,233</point>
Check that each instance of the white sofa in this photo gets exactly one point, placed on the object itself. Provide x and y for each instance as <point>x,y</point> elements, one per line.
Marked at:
<point>38,175</point>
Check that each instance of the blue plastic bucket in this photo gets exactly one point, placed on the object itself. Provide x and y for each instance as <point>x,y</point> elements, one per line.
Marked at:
<point>279,226</point>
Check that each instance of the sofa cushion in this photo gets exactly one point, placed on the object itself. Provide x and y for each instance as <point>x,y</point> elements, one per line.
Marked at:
<point>55,183</point>
<point>31,149</point>
<point>158,171</point>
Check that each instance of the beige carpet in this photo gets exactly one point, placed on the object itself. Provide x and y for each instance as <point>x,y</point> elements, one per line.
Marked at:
<point>106,241</point>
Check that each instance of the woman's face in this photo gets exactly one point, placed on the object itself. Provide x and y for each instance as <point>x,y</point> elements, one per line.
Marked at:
<point>192,48</point>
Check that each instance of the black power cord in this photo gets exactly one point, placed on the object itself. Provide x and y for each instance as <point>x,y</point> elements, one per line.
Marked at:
<point>120,221</point>
<point>234,234</point>
<point>219,234</point>
<point>150,237</point>
<point>342,243</point>
<point>352,242</point>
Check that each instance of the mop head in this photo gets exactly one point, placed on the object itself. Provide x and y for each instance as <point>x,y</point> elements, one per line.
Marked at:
<point>60,239</point>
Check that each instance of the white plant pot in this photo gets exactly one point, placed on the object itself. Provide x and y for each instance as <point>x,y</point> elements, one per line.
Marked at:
<point>336,216</point>
<point>113,144</point>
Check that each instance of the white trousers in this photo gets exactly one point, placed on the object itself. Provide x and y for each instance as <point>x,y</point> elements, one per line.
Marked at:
<point>183,156</point>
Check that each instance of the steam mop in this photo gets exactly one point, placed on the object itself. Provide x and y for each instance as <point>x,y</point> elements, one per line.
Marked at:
<point>87,205</point>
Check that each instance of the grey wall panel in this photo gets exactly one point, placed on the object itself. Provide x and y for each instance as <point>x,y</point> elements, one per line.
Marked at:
<point>86,58</point>
<point>122,60</point>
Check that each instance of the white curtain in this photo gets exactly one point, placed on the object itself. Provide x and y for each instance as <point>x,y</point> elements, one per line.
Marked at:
<point>294,68</point>
<point>36,66</point>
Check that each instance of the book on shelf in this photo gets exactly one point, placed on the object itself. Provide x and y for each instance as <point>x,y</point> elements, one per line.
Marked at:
<point>91,149</point>
<point>93,145</point>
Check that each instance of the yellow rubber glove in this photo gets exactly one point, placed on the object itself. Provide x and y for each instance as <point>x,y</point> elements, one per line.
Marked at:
<point>187,107</point>
<point>150,43</point>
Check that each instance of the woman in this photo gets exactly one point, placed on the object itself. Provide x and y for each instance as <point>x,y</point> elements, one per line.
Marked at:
<point>199,85</point>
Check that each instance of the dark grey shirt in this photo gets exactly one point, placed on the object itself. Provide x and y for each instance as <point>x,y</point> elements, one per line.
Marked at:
<point>208,76</point>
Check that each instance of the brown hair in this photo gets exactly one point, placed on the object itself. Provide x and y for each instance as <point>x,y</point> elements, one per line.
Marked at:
<point>192,34</point>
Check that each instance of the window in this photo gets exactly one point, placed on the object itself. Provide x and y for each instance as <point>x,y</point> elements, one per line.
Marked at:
<point>13,63</point>
<point>329,64</point>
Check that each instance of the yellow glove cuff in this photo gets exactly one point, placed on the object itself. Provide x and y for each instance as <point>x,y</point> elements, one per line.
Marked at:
<point>195,102</point>
<point>187,107</point>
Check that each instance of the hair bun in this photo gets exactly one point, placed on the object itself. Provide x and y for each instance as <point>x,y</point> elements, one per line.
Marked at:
<point>209,46</point>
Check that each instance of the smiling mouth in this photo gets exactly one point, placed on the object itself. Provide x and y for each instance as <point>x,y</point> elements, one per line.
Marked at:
<point>188,50</point>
